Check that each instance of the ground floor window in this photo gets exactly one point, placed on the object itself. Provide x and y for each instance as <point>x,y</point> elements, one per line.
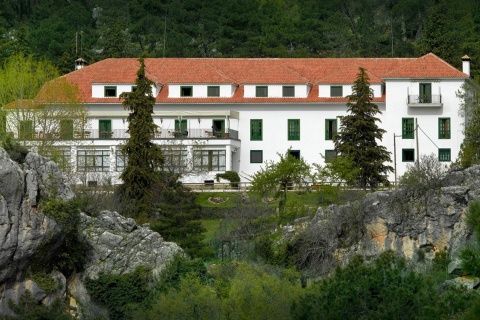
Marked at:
<point>61,156</point>
<point>209,160</point>
<point>256,156</point>
<point>93,160</point>
<point>176,159</point>
<point>121,160</point>
<point>408,155</point>
<point>444,155</point>
<point>329,155</point>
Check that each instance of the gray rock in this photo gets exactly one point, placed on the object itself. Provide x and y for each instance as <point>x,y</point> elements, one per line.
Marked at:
<point>118,245</point>
<point>468,283</point>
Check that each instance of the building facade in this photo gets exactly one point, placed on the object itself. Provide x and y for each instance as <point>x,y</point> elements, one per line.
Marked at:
<point>217,115</point>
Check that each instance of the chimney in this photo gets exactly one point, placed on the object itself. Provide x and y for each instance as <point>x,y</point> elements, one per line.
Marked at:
<point>80,63</point>
<point>466,65</point>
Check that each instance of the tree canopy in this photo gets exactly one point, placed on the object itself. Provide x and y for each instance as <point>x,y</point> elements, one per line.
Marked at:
<point>359,135</point>
<point>243,28</point>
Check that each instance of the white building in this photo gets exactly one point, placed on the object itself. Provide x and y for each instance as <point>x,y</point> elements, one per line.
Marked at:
<point>215,115</point>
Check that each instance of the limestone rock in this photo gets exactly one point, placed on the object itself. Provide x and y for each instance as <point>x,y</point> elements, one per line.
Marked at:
<point>118,245</point>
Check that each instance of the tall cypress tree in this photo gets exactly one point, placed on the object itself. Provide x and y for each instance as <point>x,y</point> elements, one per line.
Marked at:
<point>144,157</point>
<point>358,135</point>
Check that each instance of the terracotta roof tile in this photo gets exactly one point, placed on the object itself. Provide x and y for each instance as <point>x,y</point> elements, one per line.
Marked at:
<point>256,70</point>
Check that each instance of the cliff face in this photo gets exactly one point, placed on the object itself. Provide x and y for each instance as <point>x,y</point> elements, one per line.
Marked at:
<point>117,245</point>
<point>403,221</point>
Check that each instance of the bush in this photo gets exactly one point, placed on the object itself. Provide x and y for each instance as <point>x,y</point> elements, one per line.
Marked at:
<point>424,177</point>
<point>117,292</point>
<point>473,217</point>
<point>15,151</point>
<point>231,176</point>
<point>27,308</point>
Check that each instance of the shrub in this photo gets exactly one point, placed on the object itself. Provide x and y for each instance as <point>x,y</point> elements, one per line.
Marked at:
<point>231,176</point>
<point>117,292</point>
<point>473,217</point>
<point>15,151</point>
<point>425,176</point>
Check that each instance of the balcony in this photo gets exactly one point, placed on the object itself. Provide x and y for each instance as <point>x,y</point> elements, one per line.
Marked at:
<point>122,134</point>
<point>425,101</point>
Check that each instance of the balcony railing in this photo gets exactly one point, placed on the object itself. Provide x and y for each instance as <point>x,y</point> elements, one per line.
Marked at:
<point>122,134</point>
<point>425,100</point>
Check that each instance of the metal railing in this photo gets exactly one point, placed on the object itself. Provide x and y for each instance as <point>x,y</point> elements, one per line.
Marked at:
<point>424,99</point>
<point>122,134</point>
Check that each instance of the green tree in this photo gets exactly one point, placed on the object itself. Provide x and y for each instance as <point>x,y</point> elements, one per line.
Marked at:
<point>470,110</point>
<point>359,133</point>
<point>276,177</point>
<point>144,157</point>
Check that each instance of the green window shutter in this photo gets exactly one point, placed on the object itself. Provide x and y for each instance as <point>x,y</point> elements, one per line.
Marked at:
<point>334,126</point>
<point>425,93</point>
<point>66,129</point>
<point>444,128</point>
<point>293,129</point>
<point>104,129</point>
<point>180,126</point>
<point>444,155</point>
<point>408,128</point>
<point>256,129</point>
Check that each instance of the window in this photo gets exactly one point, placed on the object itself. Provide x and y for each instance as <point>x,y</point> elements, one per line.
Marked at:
<point>209,160</point>
<point>186,91</point>
<point>336,91</point>
<point>105,129</point>
<point>293,129</point>
<point>218,128</point>
<point>61,156</point>
<point>180,128</point>
<point>425,93</point>
<point>134,88</point>
<point>329,155</point>
<point>213,91</point>
<point>93,160</point>
<point>256,129</point>
<point>121,160</point>
<point>261,91</point>
<point>288,91</point>
<point>408,128</point>
<point>444,155</point>
<point>66,129</point>
<point>25,130</point>
<point>110,91</point>
<point>443,128</point>
<point>175,159</point>
<point>408,155</point>
<point>330,129</point>
<point>295,153</point>
<point>256,156</point>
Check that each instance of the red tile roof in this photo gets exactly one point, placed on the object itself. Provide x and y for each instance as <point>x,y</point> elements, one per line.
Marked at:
<point>243,71</point>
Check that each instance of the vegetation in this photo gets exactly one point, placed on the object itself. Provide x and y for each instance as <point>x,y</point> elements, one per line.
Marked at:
<point>470,110</point>
<point>144,157</point>
<point>358,135</point>
<point>276,177</point>
<point>250,28</point>
<point>470,256</point>
<point>425,176</point>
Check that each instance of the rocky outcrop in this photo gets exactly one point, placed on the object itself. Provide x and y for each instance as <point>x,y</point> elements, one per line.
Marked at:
<point>403,221</point>
<point>117,244</point>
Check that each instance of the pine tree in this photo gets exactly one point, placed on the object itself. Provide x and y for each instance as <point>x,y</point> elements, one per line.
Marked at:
<point>144,157</point>
<point>358,135</point>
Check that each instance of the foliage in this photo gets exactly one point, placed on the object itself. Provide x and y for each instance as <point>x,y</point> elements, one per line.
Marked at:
<point>386,289</point>
<point>178,215</point>
<point>15,151</point>
<point>473,217</point>
<point>45,282</point>
<point>276,177</point>
<point>338,171</point>
<point>117,292</point>
<point>424,176</point>
<point>231,176</point>
<point>470,110</point>
<point>70,251</point>
<point>292,210</point>
<point>27,308</point>
<point>470,256</point>
<point>178,268</point>
<point>144,156</point>
<point>358,135</point>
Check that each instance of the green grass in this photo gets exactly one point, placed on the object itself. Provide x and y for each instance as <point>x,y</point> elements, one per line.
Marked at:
<point>211,225</point>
